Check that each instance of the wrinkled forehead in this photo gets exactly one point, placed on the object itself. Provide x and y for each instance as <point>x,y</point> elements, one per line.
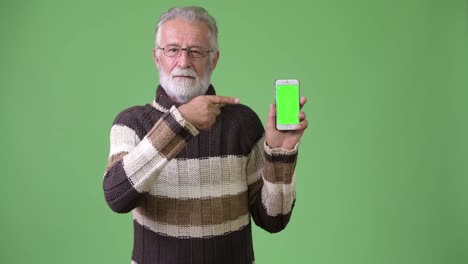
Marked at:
<point>183,33</point>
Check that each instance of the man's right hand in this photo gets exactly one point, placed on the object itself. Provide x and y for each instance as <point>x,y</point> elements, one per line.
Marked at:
<point>202,110</point>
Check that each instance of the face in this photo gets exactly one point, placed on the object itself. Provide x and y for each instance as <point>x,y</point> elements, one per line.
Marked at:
<point>183,77</point>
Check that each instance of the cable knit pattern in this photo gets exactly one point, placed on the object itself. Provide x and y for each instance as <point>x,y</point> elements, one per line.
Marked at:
<point>192,193</point>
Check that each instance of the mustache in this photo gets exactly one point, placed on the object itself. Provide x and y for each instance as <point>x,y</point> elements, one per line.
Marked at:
<point>183,72</point>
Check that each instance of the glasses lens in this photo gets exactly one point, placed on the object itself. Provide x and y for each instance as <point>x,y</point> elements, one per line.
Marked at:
<point>175,51</point>
<point>197,53</point>
<point>172,51</point>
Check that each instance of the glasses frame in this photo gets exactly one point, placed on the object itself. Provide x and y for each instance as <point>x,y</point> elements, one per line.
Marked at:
<point>188,50</point>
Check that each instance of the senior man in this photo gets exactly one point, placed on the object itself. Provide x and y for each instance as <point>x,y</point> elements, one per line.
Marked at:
<point>194,167</point>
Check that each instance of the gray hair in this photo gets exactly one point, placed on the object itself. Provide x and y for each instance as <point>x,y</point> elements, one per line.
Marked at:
<point>190,14</point>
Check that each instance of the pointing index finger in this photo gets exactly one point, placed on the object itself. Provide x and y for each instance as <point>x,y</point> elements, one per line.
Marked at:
<point>215,99</point>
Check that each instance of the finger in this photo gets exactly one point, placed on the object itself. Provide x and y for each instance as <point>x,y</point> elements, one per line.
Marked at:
<point>271,117</point>
<point>302,126</point>
<point>272,112</point>
<point>302,101</point>
<point>216,111</point>
<point>302,115</point>
<point>215,99</point>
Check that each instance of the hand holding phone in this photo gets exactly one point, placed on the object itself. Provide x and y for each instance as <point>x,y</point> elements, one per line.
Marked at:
<point>287,104</point>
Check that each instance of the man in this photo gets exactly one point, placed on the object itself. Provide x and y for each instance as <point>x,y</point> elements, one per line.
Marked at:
<point>194,167</point>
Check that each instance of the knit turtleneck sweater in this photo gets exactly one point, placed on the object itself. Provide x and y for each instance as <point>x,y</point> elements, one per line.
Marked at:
<point>193,193</point>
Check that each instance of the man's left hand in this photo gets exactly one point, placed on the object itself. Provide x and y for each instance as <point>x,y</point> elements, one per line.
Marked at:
<point>285,139</point>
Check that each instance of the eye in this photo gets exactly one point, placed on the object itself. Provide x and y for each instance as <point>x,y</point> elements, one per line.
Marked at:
<point>171,50</point>
<point>196,53</point>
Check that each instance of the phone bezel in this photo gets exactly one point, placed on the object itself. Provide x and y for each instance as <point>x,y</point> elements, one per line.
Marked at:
<point>286,82</point>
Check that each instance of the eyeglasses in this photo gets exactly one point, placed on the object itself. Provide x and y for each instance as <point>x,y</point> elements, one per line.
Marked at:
<point>193,52</point>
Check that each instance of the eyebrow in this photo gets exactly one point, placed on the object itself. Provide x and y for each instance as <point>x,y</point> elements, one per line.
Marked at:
<point>177,45</point>
<point>173,44</point>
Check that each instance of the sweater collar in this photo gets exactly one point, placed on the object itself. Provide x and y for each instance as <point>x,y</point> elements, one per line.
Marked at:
<point>163,102</point>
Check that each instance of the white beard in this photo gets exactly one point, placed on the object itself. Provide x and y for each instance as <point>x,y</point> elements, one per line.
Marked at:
<point>183,90</point>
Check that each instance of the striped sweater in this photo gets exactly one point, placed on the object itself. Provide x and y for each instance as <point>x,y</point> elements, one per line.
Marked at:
<point>192,193</point>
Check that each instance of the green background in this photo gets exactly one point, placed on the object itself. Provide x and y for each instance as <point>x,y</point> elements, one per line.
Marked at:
<point>382,172</point>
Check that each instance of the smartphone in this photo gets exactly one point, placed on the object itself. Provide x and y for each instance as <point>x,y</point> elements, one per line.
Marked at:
<point>287,104</point>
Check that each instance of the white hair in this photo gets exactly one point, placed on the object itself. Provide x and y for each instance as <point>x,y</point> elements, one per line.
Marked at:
<point>190,14</point>
<point>184,90</point>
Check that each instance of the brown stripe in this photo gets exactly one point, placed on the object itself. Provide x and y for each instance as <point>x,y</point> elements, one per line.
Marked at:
<point>164,140</point>
<point>114,159</point>
<point>278,172</point>
<point>195,212</point>
<point>281,158</point>
<point>160,135</point>
<point>173,147</point>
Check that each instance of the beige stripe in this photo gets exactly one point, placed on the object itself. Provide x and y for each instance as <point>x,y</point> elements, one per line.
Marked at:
<point>278,172</point>
<point>122,138</point>
<point>277,188</point>
<point>143,165</point>
<point>114,159</point>
<point>194,212</point>
<point>280,151</point>
<point>159,107</point>
<point>255,162</point>
<point>192,231</point>
<point>178,117</point>
<point>140,156</point>
<point>202,178</point>
<point>278,198</point>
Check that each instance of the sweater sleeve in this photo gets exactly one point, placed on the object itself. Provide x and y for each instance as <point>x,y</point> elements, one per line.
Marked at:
<point>134,164</point>
<point>271,182</point>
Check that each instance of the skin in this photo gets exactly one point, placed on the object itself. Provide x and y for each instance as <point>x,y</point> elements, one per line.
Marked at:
<point>202,111</point>
<point>184,34</point>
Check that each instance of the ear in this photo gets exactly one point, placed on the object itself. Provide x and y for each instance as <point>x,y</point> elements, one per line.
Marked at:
<point>215,61</point>
<point>156,59</point>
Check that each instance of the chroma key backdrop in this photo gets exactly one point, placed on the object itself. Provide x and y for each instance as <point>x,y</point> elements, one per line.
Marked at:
<point>382,174</point>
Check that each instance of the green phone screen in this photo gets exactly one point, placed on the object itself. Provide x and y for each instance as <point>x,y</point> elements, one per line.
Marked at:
<point>287,104</point>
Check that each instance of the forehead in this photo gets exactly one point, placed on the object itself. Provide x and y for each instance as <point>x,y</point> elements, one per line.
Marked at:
<point>183,33</point>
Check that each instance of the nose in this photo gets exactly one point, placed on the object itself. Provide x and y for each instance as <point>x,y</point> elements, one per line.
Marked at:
<point>183,59</point>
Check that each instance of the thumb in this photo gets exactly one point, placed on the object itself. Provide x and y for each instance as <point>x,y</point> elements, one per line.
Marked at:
<point>271,117</point>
